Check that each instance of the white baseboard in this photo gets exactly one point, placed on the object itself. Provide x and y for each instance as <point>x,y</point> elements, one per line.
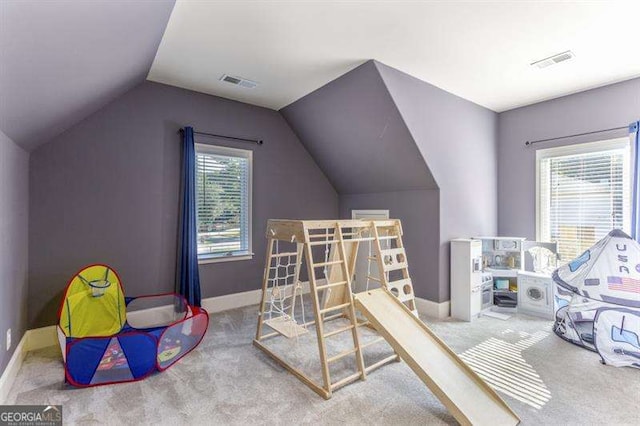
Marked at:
<point>231,301</point>
<point>11,371</point>
<point>433,309</point>
<point>36,338</point>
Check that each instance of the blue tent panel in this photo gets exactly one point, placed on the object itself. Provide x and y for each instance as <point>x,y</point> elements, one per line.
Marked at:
<point>140,350</point>
<point>83,358</point>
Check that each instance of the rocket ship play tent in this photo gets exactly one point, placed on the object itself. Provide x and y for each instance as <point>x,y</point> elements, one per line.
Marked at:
<point>598,300</point>
<point>106,337</point>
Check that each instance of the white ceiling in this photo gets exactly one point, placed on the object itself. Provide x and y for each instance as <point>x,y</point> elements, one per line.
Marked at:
<point>480,51</point>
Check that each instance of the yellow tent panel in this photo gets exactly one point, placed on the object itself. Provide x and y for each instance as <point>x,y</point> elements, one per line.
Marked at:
<point>93,304</point>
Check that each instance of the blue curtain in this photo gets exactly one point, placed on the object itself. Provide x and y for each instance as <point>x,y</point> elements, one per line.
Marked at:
<point>188,276</point>
<point>634,133</point>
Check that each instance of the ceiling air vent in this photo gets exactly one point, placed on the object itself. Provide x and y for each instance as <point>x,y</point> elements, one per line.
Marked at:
<point>555,59</point>
<point>238,81</point>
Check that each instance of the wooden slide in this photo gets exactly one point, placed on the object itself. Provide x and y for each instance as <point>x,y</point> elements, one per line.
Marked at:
<point>466,396</point>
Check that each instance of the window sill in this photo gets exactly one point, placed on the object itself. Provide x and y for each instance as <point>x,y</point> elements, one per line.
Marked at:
<point>219,259</point>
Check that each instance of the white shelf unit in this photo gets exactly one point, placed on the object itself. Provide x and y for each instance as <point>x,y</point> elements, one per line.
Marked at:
<point>503,257</point>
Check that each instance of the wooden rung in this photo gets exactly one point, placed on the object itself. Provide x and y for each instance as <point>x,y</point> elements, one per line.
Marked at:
<point>350,234</point>
<point>293,253</point>
<point>388,237</point>
<point>363,323</point>
<point>386,224</point>
<point>346,240</point>
<point>382,362</point>
<point>372,342</point>
<point>322,287</point>
<point>338,331</point>
<point>319,243</point>
<point>321,235</point>
<point>342,355</point>
<point>372,258</point>
<point>369,277</point>
<point>332,317</point>
<point>349,379</point>
<point>335,308</point>
<point>323,264</point>
<point>359,240</point>
<point>269,335</point>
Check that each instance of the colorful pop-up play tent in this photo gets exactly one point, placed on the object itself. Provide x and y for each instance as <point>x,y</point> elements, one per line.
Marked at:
<point>106,337</point>
<point>598,300</point>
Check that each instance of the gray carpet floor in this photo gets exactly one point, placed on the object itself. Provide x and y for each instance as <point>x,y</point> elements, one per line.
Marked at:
<point>228,381</point>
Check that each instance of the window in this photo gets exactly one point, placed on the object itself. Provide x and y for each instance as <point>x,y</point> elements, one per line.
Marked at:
<point>583,192</point>
<point>223,202</point>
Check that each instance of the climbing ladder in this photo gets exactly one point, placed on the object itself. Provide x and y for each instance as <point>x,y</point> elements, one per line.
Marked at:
<point>346,308</point>
<point>331,295</point>
<point>393,261</point>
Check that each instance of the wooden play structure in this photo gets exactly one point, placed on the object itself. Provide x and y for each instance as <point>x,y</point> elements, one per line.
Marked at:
<point>329,249</point>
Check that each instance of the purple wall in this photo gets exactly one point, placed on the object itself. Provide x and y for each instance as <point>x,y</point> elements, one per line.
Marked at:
<point>603,108</point>
<point>353,130</point>
<point>378,132</point>
<point>419,212</point>
<point>63,60</point>
<point>14,215</point>
<point>106,190</point>
<point>457,139</point>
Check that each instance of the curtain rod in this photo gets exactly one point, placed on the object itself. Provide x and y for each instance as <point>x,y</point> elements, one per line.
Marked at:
<point>527,143</point>
<point>233,138</point>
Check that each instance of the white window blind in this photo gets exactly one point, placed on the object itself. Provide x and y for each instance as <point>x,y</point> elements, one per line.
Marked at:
<point>223,201</point>
<point>583,193</point>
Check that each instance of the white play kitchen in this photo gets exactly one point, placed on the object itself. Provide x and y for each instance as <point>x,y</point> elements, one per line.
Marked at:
<point>501,275</point>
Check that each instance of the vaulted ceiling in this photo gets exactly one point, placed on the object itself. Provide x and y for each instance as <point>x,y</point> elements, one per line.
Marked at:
<point>62,60</point>
<point>478,50</point>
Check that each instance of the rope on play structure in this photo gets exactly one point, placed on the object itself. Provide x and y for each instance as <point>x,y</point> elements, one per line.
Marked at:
<point>284,290</point>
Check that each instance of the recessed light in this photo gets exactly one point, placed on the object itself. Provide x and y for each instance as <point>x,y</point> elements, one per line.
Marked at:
<point>238,81</point>
<point>555,59</point>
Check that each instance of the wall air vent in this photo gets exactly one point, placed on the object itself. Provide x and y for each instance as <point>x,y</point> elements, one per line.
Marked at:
<point>238,81</point>
<point>555,59</point>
